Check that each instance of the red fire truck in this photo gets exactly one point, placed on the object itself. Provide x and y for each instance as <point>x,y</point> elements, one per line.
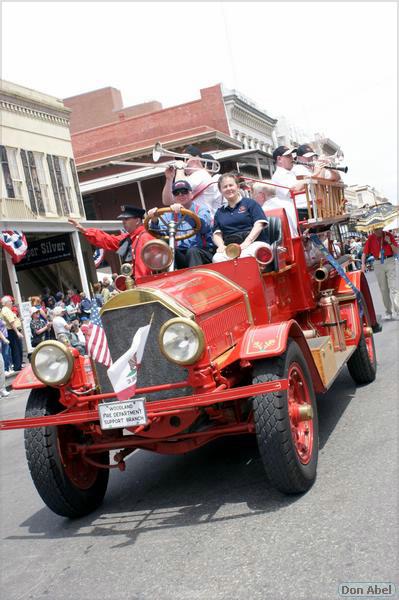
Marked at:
<point>239,347</point>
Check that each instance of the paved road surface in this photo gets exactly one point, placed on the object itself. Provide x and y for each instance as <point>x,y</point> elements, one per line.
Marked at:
<point>208,526</point>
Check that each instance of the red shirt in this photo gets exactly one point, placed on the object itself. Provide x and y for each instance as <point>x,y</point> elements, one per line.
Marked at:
<point>139,237</point>
<point>373,245</point>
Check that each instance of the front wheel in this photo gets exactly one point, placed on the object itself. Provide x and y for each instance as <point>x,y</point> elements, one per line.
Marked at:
<point>286,422</point>
<point>67,484</point>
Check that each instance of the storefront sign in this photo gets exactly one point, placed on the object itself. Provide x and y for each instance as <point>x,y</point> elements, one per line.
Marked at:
<point>46,251</point>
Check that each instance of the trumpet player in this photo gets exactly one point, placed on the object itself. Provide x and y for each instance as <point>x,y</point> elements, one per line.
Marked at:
<point>309,164</point>
<point>204,185</point>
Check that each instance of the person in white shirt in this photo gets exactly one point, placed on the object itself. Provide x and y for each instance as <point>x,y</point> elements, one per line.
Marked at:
<point>285,178</point>
<point>203,184</point>
<point>265,195</point>
<point>59,324</point>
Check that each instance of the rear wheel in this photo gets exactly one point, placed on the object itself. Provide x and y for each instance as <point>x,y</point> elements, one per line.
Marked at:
<point>362,365</point>
<point>67,484</point>
<point>286,422</point>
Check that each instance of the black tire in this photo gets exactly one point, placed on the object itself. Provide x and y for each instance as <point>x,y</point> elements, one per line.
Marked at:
<point>362,365</point>
<point>50,474</point>
<point>283,465</point>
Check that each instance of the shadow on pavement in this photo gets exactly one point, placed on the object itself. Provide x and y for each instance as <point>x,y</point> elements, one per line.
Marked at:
<point>223,481</point>
<point>159,492</point>
<point>332,405</point>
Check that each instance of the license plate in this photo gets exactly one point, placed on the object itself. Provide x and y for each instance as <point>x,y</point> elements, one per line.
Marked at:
<point>117,415</point>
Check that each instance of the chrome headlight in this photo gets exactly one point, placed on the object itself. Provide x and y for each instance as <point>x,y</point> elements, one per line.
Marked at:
<point>181,341</point>
<point>157,255</point>
<point>52,362</point>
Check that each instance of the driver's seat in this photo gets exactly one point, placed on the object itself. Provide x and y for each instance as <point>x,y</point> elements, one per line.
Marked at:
<point>274,236</point>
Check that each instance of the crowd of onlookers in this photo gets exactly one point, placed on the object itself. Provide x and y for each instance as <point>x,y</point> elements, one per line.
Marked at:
<point>54,316</point>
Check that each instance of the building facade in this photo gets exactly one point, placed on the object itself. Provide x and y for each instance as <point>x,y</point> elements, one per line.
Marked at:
<point>39,191</point>
<point>39,177</point>
<point>362,197</point>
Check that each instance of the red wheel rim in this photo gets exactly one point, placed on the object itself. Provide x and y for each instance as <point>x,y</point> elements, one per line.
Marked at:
<point>370,348</point>
<point>301,431</point>
<point>80,473</point>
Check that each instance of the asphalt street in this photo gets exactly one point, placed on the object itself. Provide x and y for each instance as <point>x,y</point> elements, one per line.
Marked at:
<point>208,525</point>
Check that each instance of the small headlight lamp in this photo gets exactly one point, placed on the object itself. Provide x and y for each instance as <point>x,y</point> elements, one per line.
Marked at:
<point>157,255</point>
<point>181,341</point>
<point>52,362</point>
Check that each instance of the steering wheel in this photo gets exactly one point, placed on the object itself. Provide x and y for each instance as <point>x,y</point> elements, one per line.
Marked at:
<point>180,218</point>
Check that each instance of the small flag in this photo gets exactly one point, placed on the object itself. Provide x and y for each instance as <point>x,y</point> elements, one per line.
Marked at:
<point>123,373</point>
<point>14,242</point>
<point>96,341</point>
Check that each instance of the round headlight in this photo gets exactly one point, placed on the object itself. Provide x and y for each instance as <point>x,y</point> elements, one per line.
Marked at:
<point>181,341</point>
<point>157,255</point>
<point>52,362</point>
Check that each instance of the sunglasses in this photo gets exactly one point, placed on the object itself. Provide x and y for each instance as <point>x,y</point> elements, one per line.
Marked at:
<point>181,193</point>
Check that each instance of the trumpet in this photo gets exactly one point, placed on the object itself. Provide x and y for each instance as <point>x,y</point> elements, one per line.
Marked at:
<point>159,151</point>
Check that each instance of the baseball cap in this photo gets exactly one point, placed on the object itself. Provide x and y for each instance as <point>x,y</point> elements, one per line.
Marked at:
<point>283,151</point>
<point>34,309</point>
<point>181,185</point>
<point>131,212</point>
<point>58,310</point>
<point>193,150</point>
<point>305,150</point>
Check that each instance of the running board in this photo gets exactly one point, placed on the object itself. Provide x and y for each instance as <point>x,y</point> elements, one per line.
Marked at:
<point>328,363</point>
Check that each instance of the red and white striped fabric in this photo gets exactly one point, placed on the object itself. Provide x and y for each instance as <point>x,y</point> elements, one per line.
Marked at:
<point>96,341</point>
<point>14,242</point>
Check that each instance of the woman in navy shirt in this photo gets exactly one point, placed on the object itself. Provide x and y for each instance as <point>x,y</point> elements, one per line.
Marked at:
<point>240,221</point>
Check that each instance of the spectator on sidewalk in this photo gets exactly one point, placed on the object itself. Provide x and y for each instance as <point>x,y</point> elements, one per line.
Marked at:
<point>15,337</point>
<point>3,391</point>
<point>84,306</point>
<point>5,348</point>
<point>3,342</point>
<point>106,289</point>
<point>97,294</point>
<point>382,245</point>
<point>60,326</point>
<point>38,327</point>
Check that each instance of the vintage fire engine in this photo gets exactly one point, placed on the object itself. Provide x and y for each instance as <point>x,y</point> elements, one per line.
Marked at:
<point>240,347</point>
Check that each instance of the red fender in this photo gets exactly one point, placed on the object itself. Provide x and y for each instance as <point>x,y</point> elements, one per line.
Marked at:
<point>26,380</point>
<point>267,341</point>
<point>359,280</point>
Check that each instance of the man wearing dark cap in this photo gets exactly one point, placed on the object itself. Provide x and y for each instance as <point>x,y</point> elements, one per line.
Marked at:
<point>309,164</point>
<point>128,245</point>
<point>285,177</point>
<point>197,249</point>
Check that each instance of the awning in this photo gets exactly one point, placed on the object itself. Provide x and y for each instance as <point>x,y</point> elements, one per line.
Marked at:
<point>111,181</point>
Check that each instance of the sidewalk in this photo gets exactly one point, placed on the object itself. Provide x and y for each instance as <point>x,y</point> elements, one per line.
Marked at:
<point>10,378</point>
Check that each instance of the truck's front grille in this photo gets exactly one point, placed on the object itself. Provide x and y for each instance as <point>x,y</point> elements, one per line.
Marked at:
<point>120,325</point>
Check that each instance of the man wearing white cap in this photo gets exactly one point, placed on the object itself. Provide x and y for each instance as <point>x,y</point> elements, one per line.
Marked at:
<point>59,324</point>
<point>285,177</point>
